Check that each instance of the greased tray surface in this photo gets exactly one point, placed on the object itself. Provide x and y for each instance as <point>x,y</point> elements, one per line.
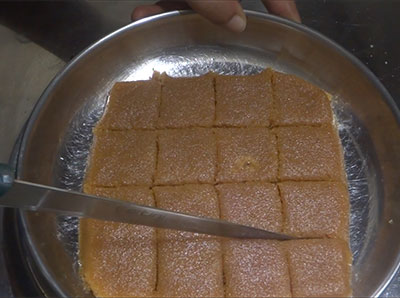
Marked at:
<point>57,142</point>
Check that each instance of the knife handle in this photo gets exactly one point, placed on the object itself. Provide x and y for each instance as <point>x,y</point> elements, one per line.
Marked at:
<point>6,178</point>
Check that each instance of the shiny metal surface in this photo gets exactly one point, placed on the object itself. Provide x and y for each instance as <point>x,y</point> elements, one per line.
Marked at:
<point>28,196</point>
<point>55,146</point>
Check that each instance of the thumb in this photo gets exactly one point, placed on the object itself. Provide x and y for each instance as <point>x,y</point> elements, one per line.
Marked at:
<point>227,13</point>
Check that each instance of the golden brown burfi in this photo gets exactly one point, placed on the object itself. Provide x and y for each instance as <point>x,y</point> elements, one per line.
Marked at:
<point>246,154</point>
<point>122,158</point>
<point>189,265</point>
<point>255,204</point>
<point>309,153</point>
<point>186,156</point>
<point>244,100</point>
<point>255,268</point>
<point>197,199</point>
<point>315,209</point>
<point>187,102</point>
<point>119,259</point>
<point>319,268</point>
<point>299,102</point>
<point>212,146</point>
<point>132,105</point>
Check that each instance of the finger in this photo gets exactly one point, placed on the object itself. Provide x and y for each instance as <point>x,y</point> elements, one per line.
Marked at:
<point>283,8</point>
<point>227,13</point>
<point>143,11</point>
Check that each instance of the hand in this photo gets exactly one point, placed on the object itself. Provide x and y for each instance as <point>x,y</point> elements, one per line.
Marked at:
<point>227,13</point>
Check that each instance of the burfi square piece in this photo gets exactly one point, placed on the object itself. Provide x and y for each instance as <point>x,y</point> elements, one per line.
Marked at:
<point>246,154</point>
<point>315,209</point>
<point>195,199</point>
<point>189,264</point>
<point>187,102</point>
<point>244,100</point>
<point>132,105</point>
<point>255,204</point>
<point>186,156</point>
<point>255,268</point>
<point>299,102</point>
<point>190,268</point>
<point>122,158</point>
<point>309,153</point>
<point>319,268</point>
<point>119,260</point>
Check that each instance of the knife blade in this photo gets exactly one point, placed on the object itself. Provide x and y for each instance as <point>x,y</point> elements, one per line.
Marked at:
<point>36,197</point>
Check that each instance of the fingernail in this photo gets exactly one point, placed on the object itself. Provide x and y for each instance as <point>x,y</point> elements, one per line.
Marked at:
<point>236,24</point>
<point>296,17</point>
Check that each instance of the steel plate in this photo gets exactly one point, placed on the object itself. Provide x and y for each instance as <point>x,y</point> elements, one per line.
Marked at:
<point>56,143</point>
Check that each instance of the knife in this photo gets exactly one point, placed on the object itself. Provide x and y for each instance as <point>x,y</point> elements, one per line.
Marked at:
<point>36,197</point>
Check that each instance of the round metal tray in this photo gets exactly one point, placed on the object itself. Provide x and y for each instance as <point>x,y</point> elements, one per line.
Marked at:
<point>57,140</point>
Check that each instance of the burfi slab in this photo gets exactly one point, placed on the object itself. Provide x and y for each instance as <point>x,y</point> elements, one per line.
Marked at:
<point>315,209</point>
<point>244,100</point>
<point>255,268</point>
<point>319,268</point>
<point>309,153</point>
<point>190,265</point>
<point>132,105</point>
<point>119,259</point>
<point>186,156</point>
<point>187,102</point>
<point>299,102</point>
<point>246,154</point>
<point>255,204</point>
<point>122,158</point>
